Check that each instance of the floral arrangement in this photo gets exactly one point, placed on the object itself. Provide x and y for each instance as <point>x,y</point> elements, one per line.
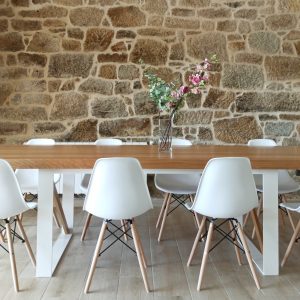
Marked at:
<point>170,97</point>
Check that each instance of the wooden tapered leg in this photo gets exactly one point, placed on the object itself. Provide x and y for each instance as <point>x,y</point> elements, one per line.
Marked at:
<point>164,218</point>
<point>205,254</point>
<point>85,227</point>
<point>27,244</point>
<point>291,244</point>
<point>123,223</point>
<point>141,249</point>
<point>248,254</point>
<point>55,216</point>
<point>257,229</point>
<point>2,240</point>
<point>60,212</point>
<point>139,255</point>
<point>12,257</point>
<point>258,211</point>
<point>162,210</point>
<point>196,219</point>
<point>236,248</point>
<point>196,241</point>
<point>283,198</point>
<point>95,257</point>
<point>246,219</point>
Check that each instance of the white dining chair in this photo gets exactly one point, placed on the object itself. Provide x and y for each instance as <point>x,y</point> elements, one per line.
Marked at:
<point>12,204</point>
<point>86,178</point>
<point>29,182</point>
<point>294,207</point>
<point>118,191</point>
<point>286,183</point>
<point>225,197</point>
<point>177,188</point>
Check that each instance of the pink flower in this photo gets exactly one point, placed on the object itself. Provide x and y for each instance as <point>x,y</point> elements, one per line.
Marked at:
<point>175,94</point>
<point>183,89</point>
<point>195,90</point>
<point>195,79</point>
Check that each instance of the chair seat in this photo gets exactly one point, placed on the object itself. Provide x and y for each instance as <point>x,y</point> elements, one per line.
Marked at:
<point>291,206</point>
<point>183,184</point>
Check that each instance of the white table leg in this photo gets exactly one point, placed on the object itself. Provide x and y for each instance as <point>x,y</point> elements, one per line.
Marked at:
<point>44,224</point>
<point>68,198</point>
<point>270,223</point>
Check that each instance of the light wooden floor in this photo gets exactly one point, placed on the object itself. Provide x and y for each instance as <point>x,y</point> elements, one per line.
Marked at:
<point>118,277</point>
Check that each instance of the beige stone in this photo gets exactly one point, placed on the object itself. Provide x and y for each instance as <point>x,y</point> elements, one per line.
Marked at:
<point>211,13</point>
<point>20,3</point>
<point>194,101</point>
<point>128,34</point>
<point>11,41</point>
<point>289,5</point>
<point>12,128</point>
<point>75,33</point>
<point>157,7</point>
<point>194,3</point>
<point>119,47</point>
<point>26,25</point>
<point>228,25</point>
<point>30,86</point>
<point>129,72</point>
<point>183,12</point>
<point>250,58</point>
<point>71,45</point>
<point>53,85</point>
<point>6,12</point>
<point>244,13</point>
<point>205,134</point>
<point>66,65</point>
<point>129,16</point>
<point>192,117</point>
<point>69,106</point>
<point>237,130</point>
<point>68,2</point>
<point>69,85</point>
<point>134,127</point>
<point>6,89</point>
<point>112,107</point>
<point>37,99</point>
<point>49,11</point>
<point>28,114</point>
<point>44,42</point>
<point>54,23</point>
<point>123,88</point>
<point>86,16</point>
<point>281,22</point>
<point>175,22</point>
<point>177,52</point>
<point>156,32</point>
<point>93,85</point>
<point>152,52</point>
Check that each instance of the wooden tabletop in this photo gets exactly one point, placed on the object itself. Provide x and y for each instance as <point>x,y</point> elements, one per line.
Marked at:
<point>191,157</point>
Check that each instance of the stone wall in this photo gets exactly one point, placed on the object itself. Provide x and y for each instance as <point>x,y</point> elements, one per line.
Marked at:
<point>69,68</point>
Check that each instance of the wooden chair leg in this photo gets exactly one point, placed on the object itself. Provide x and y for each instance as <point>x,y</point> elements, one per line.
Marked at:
<point>196,219</point>
<point>205,255</point>
<point>162,210</point>
<point>27,244</point>
<point>2,240</point>
<point>246,218</point>
<point>291,244</point>
<point>164,217</point>
<point>12,257</point>
<point>60,211</point>
<point>139,255</point>
<point>95,257</point>
<point>85,227</point>
<point>236,248</point>
<point>196,241</point>
<point>257,229</point>
<point>141,249</point>
<point>283,198</point>
<point>55,217</point>
<point>258,211</point>
<point>248,254</point>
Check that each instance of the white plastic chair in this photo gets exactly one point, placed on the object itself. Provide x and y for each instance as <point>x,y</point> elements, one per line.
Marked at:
<point>29,182</point>
<point>86,179</point>
<point>118,191</point>
<point>226,197</point>
<point>286,184</point>
<point>295,207</point>
<point>12,204</point>
<point>175,186</point>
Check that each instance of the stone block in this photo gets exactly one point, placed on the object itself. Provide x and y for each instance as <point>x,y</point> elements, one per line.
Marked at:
<point>250,58</point>
<point>71,45</point>
<point>143,105</point>
<point>49,11</point>
<point>6,89</point>
<point>281,22</point>
<point>28,114</point>
<point>217,98</point>
<point>20,3</point>
<point>3,25</point>
<point>129,72</point>
<point>12,128</point>
<point>182,23</point>
<point>112,107</point>
<point>128,16</point>
<point>114,58</point>
<point>93,85</point>
<point>192,117</point>
<point>215,13</point>
<point>26,25</point>
<point>83,131</point>
<point>243,13</point>
<point>108,71</point>
<point>125,34</point>
<point>227,25</point>
<point>44,42</point>
<point>6,12</point>
<point>279,128</point>
<point>265,42</point>
<point>123,88</point>
<point>11,41</point>
<point>156,7</point>
<point>28,59</point>
<point>48,128</point>
<point>86,16</point>
<point>37,99</point>
<point>76,33</point>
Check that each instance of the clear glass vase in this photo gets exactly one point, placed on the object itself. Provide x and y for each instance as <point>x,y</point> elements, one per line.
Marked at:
<point>165,132</point>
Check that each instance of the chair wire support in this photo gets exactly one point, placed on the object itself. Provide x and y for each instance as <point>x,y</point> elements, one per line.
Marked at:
<point>13,232</point>
<point>121,230</point>
<point>177,198</point>
<point>225,235</point>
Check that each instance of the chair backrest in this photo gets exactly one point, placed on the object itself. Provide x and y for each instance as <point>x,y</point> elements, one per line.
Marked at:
<point>181,142</point>
<point>226,188</point>
<point>262,143</point>
<point>11,198</point>
<point>108,142</point>
<point>28,178</point>
<point>117,189</point>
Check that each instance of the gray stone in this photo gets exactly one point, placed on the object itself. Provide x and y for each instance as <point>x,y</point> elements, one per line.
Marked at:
<point>28,114</point>
<point>192,117</point>
<point>237,130</point>
<point>194,100</point>
<point>268,102</point>
<point>266,117</point>
<point>86,16</point>
<point>265,42</point>
<point>129,16</point>
<point>219,99</point>
<point>129,72</point>
<point>12,128</point>
<point>204,45</point>
<point>69,106</point>
<point>194,3</point>
<point>250,58</point>
<point>177,52</point>
<point>246,14</point>
<point>157,7</point>
<point>11,41</point>
<point>152,52</point>
<point>175,22</point>
<point>13,73</point>
<point>244,27</point>
<point>93,85</point>
<point>143,105</point>
<point>211,13</point>
<point>30,86</point>
<point>289,5</point>
<point>48,128</point>
<point>125,127</point>
<point>123,88</point>
<point>282,67</point>
<point>115,58</point>
<point>281,22</point>
<point>109,108</point>
<point>242,77</point>
<point>37,99</point>
<point>279,128</point>
<point>70,65</point>
<point>44,42</point>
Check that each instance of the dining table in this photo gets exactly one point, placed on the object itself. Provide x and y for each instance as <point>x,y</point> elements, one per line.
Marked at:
<point>70,159</point>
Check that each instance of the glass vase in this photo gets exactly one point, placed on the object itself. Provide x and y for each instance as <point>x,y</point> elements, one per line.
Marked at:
<point>165,132</point>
